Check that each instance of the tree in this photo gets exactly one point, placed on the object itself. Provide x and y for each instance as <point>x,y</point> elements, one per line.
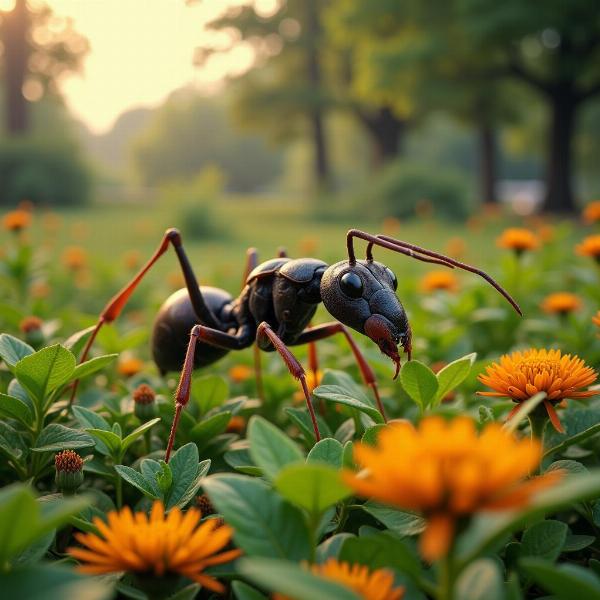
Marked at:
<point>289,94</point>
<point>553,47</point>
<point>38,49</point>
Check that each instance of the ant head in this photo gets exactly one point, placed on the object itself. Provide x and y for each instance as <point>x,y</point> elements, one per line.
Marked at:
<point>361,295</point>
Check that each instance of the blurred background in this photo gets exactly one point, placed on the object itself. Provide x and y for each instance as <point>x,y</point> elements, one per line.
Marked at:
<point>386,106</point>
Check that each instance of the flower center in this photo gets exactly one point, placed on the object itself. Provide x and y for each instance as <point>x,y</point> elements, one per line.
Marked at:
<point>532,366</point>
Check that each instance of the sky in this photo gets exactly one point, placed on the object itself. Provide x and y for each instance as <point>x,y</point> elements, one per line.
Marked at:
<point>141,50</point>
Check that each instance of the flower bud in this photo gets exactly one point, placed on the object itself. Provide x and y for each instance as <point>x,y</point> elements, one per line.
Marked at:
<point>32,328</point>
<point>69,471</point>
<point>144,402</point>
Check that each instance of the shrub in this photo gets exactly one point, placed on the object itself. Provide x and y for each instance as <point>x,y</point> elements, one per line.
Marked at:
<point>406,189</point>
<point>43,172</point>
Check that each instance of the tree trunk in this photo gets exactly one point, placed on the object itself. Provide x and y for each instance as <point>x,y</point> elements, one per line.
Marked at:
<point>487,163</point>
<point>321,154</point>
<point>386,132</point>
<point>15,32</point>
<point>559,190</point>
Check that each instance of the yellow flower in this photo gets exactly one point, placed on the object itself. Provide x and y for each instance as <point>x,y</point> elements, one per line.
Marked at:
<point>591,213</point>
<point>74,258</point>
<point>369,585</point>
<point>589,247</point>
<point>16,220</point>
<point>447,472</point>
<point>439,280</point>
<point>240,373</point>
<point>518,240</point>
<point>521,375</point>
<point>160,544</point>
<point>130,366</point>
<point>561,303</point>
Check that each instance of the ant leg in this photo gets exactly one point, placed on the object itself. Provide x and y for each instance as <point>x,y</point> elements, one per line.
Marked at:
<point>251,263</point>
<point>214,337</point>
<point>116,304</point>
<point>294,367</point>
<point>320,332</point>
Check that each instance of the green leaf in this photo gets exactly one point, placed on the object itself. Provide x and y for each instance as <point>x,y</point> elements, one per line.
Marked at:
<point>34,552</point>
<point>481,580</point>
<point>571,467</point>
<point>340,395</point>
<point>575,543</point>
<point>44,371</point>
<point>209,427</point>
<point>301,419</point>
<point>579,425</point>
<point>12,349</point>
<point>264,523</point>
<point>292,580</point>
<point>110,440</point>
<point>381,550</point>
<point>487,529</point>
<point>525,409</point>
<point>90,419</point>
<point>24,520</point>
<point>312,486</point>
<point>13,408</point>
<point>544,539</point>
<point>209,391</point>
<point>419,382</point>
<point>55,437</point>
<point>76,342</point>
<point>332,546</point>
<point>400,522</point>
<point>12,444</point>
<point>92,365</point>
<point>371,434</point>
<point>137,480</point>
<point>452,375</point>
<point>270,448</point>
<point>187,472</point>
<point>243,591</point>
<point>566,581</point>
<point>164,478</point>
<point>328,451</point>
<point>137,433</point>
<point>52,582</point>
<point>192,489</point>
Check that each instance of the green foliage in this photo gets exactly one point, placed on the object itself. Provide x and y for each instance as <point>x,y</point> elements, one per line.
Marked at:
<point>404,190</point>
<point>43,172</point>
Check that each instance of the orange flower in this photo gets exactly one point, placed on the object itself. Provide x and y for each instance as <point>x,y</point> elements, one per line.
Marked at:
<point>596,319</point>
<point>561,303</point>
<point>40,289</point>
<point>240,373</point>
<point>236,424</point>
<point>369,585</point>
<point>589,247</point>
<point>391,226</point>
<point>456,247</point>
<point>521,375</point>
<point>160,545</point>
<point>130,366</point>
<point>308,245</point>
<point>518,240</point>
<point>591,213</point>
<point>439,280</point>
<point>74,258</point>
<point>16,220</point>
<point>447,471</point>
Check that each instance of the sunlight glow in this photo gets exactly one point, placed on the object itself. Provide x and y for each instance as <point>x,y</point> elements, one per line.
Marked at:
<point>141,51</point>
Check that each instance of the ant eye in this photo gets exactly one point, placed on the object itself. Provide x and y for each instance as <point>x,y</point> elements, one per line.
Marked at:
<point>351,284</point>
<point>392,277</point>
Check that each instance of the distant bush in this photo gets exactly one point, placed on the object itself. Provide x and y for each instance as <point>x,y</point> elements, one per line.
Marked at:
<point>192,202</point>
<point>42,172</point>
<point>406,190</point>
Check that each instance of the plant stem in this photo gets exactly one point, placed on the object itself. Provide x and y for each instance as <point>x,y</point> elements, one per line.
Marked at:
<point>119,491</point>
<point>446,589</point>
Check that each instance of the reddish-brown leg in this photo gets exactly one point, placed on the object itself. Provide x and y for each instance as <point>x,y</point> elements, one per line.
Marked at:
<point>116,304</point>
<point>294,367</point>
<point>326,330</point>
<point>210,336</point>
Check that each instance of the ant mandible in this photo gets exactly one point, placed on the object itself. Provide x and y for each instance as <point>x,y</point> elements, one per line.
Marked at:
<point>196,326</point>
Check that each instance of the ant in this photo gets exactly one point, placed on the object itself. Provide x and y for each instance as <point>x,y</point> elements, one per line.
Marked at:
<point>196,326</point>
